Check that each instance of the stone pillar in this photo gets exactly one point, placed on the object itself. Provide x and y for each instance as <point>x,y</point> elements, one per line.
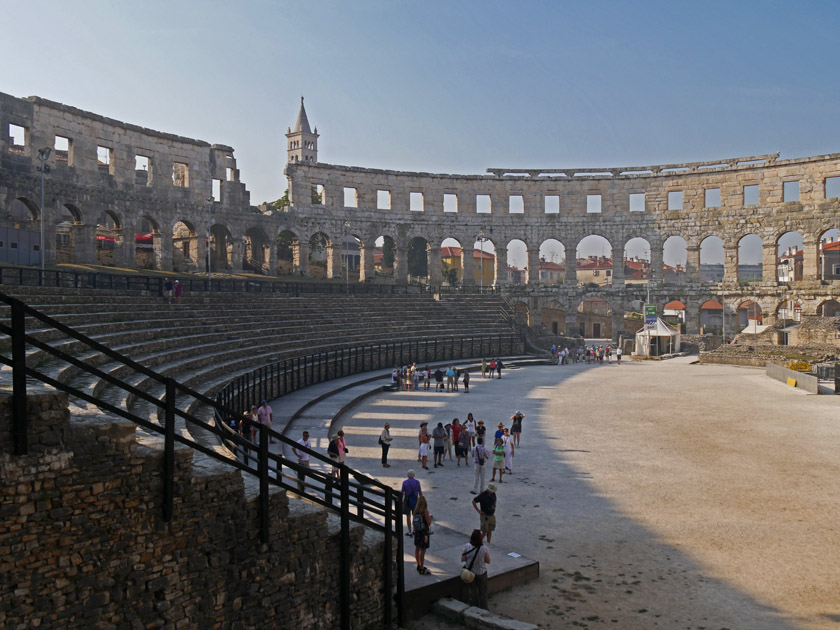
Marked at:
<point>468,266</point>
<point>656,262</point>
<point>618,271</point>
<point>730,263</point>
<point>84,239</point>
<point>334,261</point>
<point>400,264</point>
<point>617,323</point>
<point>433,260</point>
<point>692,264</point>
<point>501,267</point>
<point>163,251</point>
<point>367,271</point>
<point>810,255</point>
<point>124,248</point>
<point>769,262</point>
<point>236,255</point>
<point>570,276</point>
<point>300,253</point>
<point>572,328</point>
<point>533,265</point>
<point>272,257</point>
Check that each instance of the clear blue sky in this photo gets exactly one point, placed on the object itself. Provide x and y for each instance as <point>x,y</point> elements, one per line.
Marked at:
<point>443,86</point>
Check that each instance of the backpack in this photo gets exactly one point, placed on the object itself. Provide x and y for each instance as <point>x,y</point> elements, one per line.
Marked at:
<point>419,523</point>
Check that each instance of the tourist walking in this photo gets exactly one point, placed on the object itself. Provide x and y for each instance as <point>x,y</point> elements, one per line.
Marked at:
<point>411,492</point>
<point>479,455</point>
<point>485,505</point>
<point>167,289</point>
<point>450,378</point>
<point>481,431</point>
<point>499,367</point>
<point>516,426</point>
<point>302,457</point>
<point>422,522</point>
<point>439,437</point>
<point>469,425</point>
<point>464,443</point>
<point>178,290</point>
<point>509,451</point>
<point>466,382</point>
<point>498,459</point>
<point>484,368</point>
<point>427,373</point>
<point>476,557</point>
<point>265,415</point>
<point>618,355</point>
<point>385,440</point>
<point>423,439</point>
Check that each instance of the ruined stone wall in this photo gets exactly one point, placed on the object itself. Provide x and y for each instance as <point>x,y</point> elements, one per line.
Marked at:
<point>83,543</point>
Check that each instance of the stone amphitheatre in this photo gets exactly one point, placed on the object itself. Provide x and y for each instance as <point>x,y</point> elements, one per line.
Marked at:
<point>126,503</point>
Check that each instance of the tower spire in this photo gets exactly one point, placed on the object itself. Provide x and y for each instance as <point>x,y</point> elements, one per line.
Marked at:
<point>302,142</point>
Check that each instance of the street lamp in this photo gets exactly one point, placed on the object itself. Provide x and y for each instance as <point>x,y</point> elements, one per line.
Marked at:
<point>210,201</point>
<point>346,258</point>
<point>481,239</point>
<point>43,156</point>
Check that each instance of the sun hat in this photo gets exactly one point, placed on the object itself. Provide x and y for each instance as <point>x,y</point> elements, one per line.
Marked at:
<point>491,487</point>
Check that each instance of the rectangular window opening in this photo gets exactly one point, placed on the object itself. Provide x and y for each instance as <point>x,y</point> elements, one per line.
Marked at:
<point>319,195</point>
<point>180,175</point>
<point>593,204</point>
<point>791,191</point>
<point>713,197</point>
<point>516,204</point>
<point>552,204</point>
<point>351,198</point>
<point>217,190</point>
<point>751,195</point>
<point>230,174</point>
<point>141,170</point>
<point>415,202</point>
<point>450,202</point>
<point>62,150</point>
<point>637,202</point>
<point>483,204</point>
<point>383,199</point>
<point>675,200</point>
<point>17,138</point>
<point>832,187</point>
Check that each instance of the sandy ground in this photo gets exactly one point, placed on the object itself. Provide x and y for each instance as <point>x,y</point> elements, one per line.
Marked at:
<point>654,494</point>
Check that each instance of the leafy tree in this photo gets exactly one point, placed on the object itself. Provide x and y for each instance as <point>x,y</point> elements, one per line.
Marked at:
<point>417,261</point>
<point>388,254</point>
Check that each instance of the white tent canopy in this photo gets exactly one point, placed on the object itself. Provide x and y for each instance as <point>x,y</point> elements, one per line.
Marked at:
<point>659,340</point>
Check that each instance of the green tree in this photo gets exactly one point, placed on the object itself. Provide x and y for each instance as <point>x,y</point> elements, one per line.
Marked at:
<point>417,261</point>
<point>388,254</point>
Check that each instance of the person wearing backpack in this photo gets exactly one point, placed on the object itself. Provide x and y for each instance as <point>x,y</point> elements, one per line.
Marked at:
<point>411,492</point>
<point>422,522</point>
<point>480,455</point>
<point>476,557</point>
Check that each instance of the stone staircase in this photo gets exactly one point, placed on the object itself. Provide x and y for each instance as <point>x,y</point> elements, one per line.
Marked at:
<point>210,339</point>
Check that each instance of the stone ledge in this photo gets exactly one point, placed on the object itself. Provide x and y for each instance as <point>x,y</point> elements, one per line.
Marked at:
<point>473,617</point>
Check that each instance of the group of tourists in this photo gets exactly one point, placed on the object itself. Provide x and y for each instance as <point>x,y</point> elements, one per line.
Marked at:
<point>489,366</point>
<point>589,354</point>
<point>408,378</point>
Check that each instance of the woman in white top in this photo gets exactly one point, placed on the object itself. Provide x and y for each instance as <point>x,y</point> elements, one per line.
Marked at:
<point>507,440</point>
<point>469,425</point>
<point>476,557</point>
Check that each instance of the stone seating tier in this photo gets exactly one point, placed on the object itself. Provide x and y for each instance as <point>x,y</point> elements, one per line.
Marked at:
<point>210,339</point>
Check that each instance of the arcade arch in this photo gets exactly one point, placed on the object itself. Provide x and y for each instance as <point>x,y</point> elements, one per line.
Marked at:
<point>109,237</point>
<point>288,253</point>
<point>147,244</point>
<point>552,263</point>
<point>750,258</point>
<point>517,262</point>
<point>70,217</point>
<point>553,317</point>
<point>221,248</point>
<point>790,255</point>
<point>749,317</point>
<point>385,256</point>
<point>184,246</point>
<point>594,318</point>
<point>594,262</point>
<point>711,317</point>
<point>711,260</point>
<point>637,261</point>
<point>417,260</point>
<point>829,308</point>
<point>828,256</point>
<point>484,253</point>
<point>452,263</point>
<point>320,255</point>
<point>256,251</point>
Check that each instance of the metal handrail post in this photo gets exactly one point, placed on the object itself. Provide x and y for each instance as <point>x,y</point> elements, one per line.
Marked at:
<point>20,417</point>
<point>169,451</point>
<point>344,551</point>
<point>387,560</point>
<point>263,470</point>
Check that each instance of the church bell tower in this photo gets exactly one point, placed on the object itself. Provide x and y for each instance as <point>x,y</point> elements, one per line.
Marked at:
<point>302,141</point>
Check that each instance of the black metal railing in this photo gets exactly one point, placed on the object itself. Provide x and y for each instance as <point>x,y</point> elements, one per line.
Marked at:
<point>356,497</point>
<point>283,377</point>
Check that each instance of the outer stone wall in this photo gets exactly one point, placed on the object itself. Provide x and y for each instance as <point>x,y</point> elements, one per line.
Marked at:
<point>83,545</point>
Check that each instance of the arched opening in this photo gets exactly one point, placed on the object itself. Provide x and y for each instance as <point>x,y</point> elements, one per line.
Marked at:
<point>184,247</point>
<point>417,260</point>
<point>553,318</point>
<point>674,260</point>
<point>319,253</point>
<point>451,261</point>
<point>674,314</point>
<point>790,257</point>
<point>637,261</point>
<point>220,248</point>
<point>711,317</point>
<point>552,262</point>
<point>594,262</point>
<point>384,257</point>
<point>256,251</point>
<point>484,253</point>
<point>351,257</point>
<point>829,308</point>
<point>288,253</point>
<point>147,244</point>
<point>750,318</point>
<point>594,318</point>
<point>750,257</point>
<point>711,260</point>
<point>517,262</point>
<point>65,233</point>
<point>108,238</point>
<point>23,210</point>
<point>788,313</point>
<point>828,258</point>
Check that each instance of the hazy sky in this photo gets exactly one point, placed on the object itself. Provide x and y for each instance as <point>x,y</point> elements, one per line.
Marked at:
<point>444,86</point>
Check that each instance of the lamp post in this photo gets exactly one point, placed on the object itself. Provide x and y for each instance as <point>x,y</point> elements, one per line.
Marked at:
<point>43,156</point>
<point>346,258</point>
<point>210,201</point>
<point>481,239</point>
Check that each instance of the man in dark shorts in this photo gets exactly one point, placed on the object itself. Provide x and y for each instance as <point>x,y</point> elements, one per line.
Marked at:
<point>516,426</point>
<point>485,505</point>
<point>439,437</point>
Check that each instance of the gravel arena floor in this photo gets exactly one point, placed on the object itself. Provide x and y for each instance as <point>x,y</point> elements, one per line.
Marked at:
<point>654,494</point>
